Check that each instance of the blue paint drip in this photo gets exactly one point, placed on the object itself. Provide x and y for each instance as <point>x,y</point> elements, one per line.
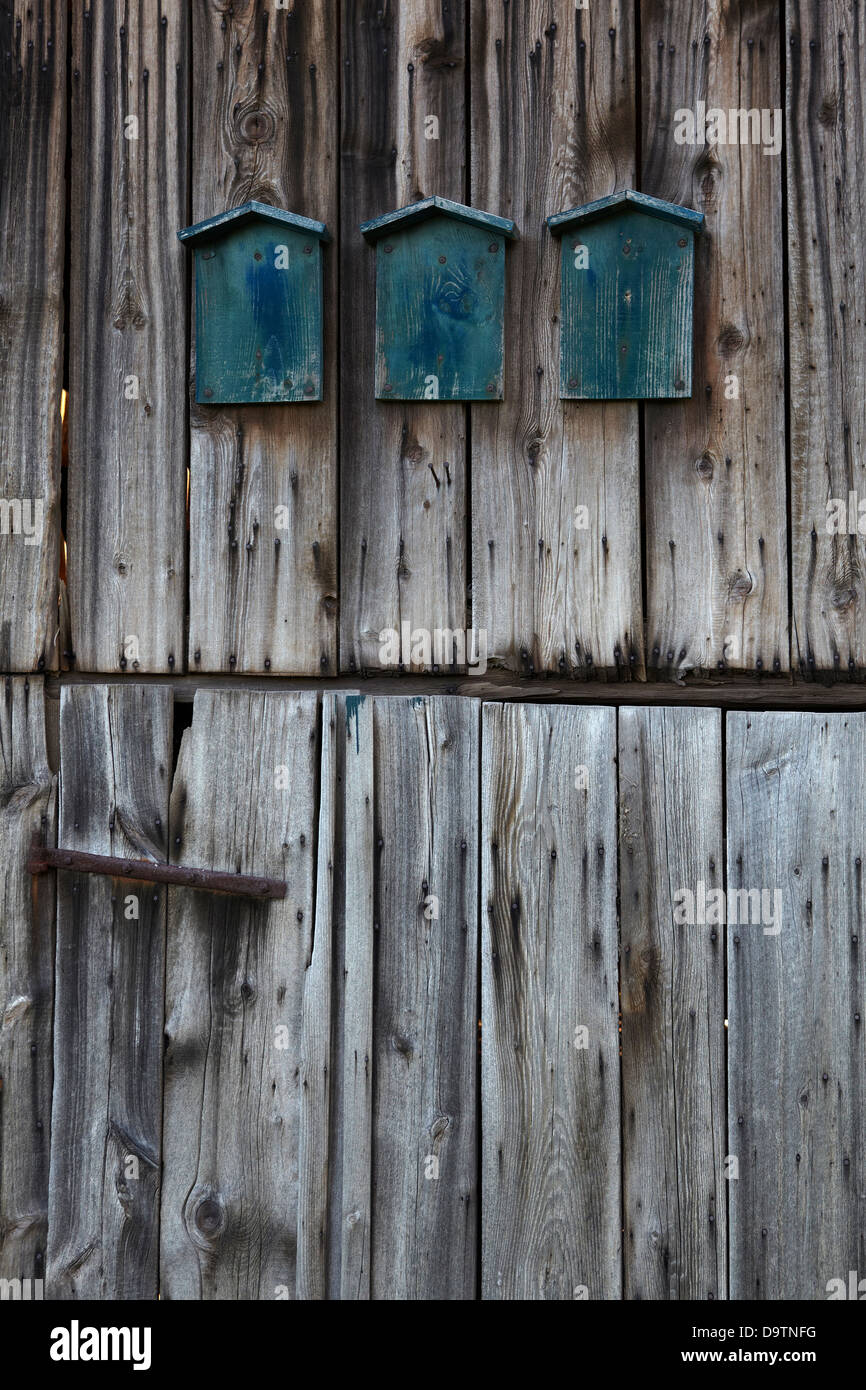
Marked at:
<point>353,704</point>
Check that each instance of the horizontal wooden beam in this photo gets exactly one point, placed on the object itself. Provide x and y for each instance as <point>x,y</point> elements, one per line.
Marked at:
<point>764,693</point>
<point>42,860</point>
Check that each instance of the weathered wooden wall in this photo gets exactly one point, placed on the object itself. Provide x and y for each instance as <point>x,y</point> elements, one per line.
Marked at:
<point>291,1099</point>
<point>442,515</point>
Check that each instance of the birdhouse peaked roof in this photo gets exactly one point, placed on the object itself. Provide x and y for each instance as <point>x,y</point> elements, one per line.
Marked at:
<point>214,227</point>
<point>402,218</point>
<point>621,202</point>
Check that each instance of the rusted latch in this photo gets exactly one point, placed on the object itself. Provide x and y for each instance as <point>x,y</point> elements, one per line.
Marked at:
<point>41,860</point>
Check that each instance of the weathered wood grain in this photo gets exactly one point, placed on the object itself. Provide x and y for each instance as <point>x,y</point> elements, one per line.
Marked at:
<point>128,335</point>
<point>106,1118</point>
<point>425,1181</point>
<point>27,810</point>
<point>553,126</point>
<point>550,1104</point>
<point>350,718</point>
<point>826,148</point>
<point>717,592</point>
<point>673,1006</point>
<point>244,797</point>
<point>403,466</point>
<point>797,1057</point>
<point>315,1070</point>
<point>263,480</point>
<point>32,215</point>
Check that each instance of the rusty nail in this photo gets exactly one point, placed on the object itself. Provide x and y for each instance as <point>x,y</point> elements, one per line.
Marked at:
<point>491,387</point>
<point>441,260</point>
<point>389,388</point>
<point>388,249</point>
<point>572,381</point>
<point>258,256</point>
<point>308,250</point>
<point>494,246</point>
<point>682,241</point>
<point>208,392</point>
<point>679,385</point>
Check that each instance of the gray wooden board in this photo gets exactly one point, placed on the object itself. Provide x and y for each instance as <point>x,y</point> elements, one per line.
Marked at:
<point>27,810</point>
<point>425,1192</point>
<point>672,980</point>
<point>32,215</point>
<point>797,1056</point>
<point>263,479</point>
<point>715,473</point>
<point>555,484</point>
<point>127,326</point>
<point>403,465</point>
<point>239,1033</point>
<point>349,718</point>
<point>826,64</point>
<point>550,1109</point>
<point>105,1163</point>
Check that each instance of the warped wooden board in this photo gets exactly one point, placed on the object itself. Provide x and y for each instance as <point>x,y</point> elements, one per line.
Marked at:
<point>27,811</point>
<point>349,720</point>
<point>797,1057</point>
<point>555,484</point>
<point>716,507</point>
<point>826,57</point>
<point>672,980</point>
<point>263,479</point>
<point>103,1221</point>
<point>127,336</point>
<point>403,464</point>
<point>550,1086</point>
<point>240,1038</point>
<point>32,215</point>
<point>425,1180</point>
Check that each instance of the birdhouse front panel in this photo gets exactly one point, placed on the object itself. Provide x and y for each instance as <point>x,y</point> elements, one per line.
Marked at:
<point>627,303</point>
<point>440,302</point>
<point>258,300</point>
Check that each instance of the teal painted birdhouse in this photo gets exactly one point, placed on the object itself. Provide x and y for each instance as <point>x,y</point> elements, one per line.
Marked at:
<point>258,306</point>
<point>440,302</point>
<point>627,298</point>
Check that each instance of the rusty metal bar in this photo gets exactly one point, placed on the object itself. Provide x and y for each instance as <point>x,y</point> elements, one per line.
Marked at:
<point>41,860</point>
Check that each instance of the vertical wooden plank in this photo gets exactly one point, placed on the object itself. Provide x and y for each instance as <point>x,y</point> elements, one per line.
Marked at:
<point>351,718</point>
<point>32,215</point>
<point>27,799</point>
<point>126,541</point>
<point>826,148</point>
<point>555,484</point>
<point>403,465</point>
<point>424,1225</point>
<point>550,1087</point>
<point>717,592</point>
<point>236,976</point>
<point>796,986</point>
<point>315,1069</point>
<point>263,491</point>
<point>115,745</point>
<point>673,1006</point>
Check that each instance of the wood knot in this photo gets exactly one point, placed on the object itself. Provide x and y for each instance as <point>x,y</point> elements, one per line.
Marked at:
<point>255,126</point>
<point>205,1216</point>
<point>828,110</point>
<point>730,340</point>
<point>741,585</point>
<point>705,468</point>
<point>843,597</point>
